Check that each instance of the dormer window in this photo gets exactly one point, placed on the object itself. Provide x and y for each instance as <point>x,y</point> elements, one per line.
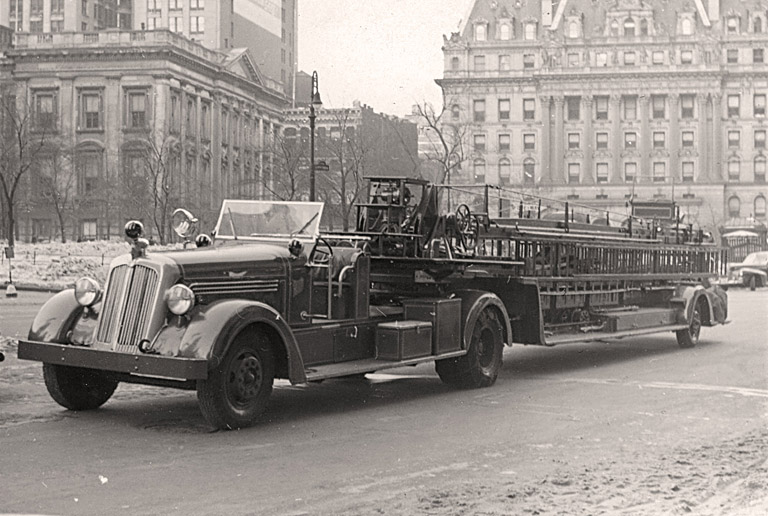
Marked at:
<point>455,64</point>
<point>757,24</point>
<point>732,25</point>
<point>481,32</point>
<point>573,24</point>
<point>530,31</point>
<point>629,27</point>
<point>686,27</point>
<point>505,32</point>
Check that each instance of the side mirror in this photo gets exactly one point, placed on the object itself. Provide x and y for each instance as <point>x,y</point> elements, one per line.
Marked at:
<point>184,224</point>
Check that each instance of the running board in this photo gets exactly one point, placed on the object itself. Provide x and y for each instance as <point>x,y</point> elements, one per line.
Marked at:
<point>605,335</point>
<point>369,365</point>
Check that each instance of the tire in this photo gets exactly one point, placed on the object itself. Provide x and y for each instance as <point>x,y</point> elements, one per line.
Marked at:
<point>77,388</point>
<point>689,337</point>
<point>237,391</point>
<point>481,365</point>
<point>752,283</point>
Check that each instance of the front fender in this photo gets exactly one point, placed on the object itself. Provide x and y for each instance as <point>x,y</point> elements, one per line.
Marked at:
<point>472,303</point>
<point>753,272</point>
<point>211,329</point>
<point>55,318</point>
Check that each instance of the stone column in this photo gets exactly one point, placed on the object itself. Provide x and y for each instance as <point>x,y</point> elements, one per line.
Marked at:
<point>616,139</point>
<point>716,158</point>
<point>556,167</point>
<point>588,177</point>
<point>704,140</point>
<point>261,157</point>
<point>673,138</point>
<point>545,145</point>
<point>644,145</point>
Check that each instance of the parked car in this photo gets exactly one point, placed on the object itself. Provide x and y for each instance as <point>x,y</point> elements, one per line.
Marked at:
<point>752,272</point>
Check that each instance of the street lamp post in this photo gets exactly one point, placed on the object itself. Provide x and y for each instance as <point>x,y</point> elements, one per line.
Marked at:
<point>313,102</point>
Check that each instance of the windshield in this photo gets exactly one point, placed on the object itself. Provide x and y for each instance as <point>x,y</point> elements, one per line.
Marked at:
<point>756,259</point>
<point>248,219</point>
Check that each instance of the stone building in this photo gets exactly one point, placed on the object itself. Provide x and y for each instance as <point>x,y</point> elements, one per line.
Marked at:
<point>145,121</point>
<point>40,16</point>
<point>598,101</point>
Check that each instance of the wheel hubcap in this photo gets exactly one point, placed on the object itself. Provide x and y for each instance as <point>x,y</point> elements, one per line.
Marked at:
<point>695,325</point>
<point>245,379</point>
<point>485,347</point>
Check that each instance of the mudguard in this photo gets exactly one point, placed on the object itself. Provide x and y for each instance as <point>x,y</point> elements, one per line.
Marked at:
<point>472,303</point>
<point>716,302</point>
<point>211,329</point>
<point>56,318</point>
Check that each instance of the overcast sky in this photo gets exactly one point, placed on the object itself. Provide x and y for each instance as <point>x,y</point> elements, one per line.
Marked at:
<point>385,53</point>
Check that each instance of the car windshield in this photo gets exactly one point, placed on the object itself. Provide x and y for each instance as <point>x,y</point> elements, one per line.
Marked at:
<point>756,259</point>
<point>248,219</point>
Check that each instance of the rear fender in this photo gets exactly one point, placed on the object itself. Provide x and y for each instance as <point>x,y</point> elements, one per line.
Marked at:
<point>212,328</point>
<point>472,303</point>
<point>59,316</point>
<point>715,303</point>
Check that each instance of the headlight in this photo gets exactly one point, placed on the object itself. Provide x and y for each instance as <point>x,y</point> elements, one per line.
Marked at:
<point>180,299</point>
<point>87,291</point>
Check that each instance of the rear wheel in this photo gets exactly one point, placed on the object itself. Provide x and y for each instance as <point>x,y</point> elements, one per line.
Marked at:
<point>689,337</point>
<point>77,388</point>
<point>752,283</point>
<point>481,365</point>
<point>236,392</point>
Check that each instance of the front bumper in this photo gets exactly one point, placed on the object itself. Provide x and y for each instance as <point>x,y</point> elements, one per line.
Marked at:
<point>144,365</point>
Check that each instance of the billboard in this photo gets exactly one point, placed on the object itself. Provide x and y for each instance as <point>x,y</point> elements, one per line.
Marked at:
<point>264,13</point>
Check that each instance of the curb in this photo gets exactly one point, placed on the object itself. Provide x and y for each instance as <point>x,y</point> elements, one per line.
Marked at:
<point>34,288</point>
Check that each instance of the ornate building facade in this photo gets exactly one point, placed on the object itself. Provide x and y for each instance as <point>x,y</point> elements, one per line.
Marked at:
<point>139,118</point>
<point>598,101</point>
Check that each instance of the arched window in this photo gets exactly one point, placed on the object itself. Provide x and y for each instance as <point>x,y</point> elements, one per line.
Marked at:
<point>529,171</point>
<point>734,207</point>
<point>573,29</point>
<point>614,28</point>
<point>732,25</point>
<point>734,170</point>
<point>757,26</point>
<point>454,63</point>
<point>505,170</point>
<point>760,168</point>
<point>480,32</point>
<point>455,112</point>
<point>643,27</point>
<point>629,27</point>
<point>759,207</point>
<point>504,32</point>
<point>479,171</point>
<point>686,27</point>
<point>530,31</point>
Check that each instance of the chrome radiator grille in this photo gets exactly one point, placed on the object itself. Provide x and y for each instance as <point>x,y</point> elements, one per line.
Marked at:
<point>127,307</point>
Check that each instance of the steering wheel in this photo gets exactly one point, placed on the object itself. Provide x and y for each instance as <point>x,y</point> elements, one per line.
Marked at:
<point>320,255</point>
<point>467,226</point>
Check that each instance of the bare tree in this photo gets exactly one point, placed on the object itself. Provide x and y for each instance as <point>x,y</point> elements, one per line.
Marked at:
<point>22,139</point>
<point>448,145</point>
<point>290,180</point>
<point>57,183</point>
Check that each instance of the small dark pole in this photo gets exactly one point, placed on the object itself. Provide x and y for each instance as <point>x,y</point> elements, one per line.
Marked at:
<point>313,101</point>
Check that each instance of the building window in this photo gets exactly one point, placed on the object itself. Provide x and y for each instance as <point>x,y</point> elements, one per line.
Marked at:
<point>629,27</point>
<point>200,4</point>
<point>659,140</point>
<point>644,27</point>
<point>574,30</point>
<point>89,165</point>
<point>732,25</point>
<point>480,32</point>
<point>687,171</point>
<point>760,139</point>
<point>504,63</point>
<point>529,31</point>
<point>175,112</point>
<point>57,25</point>
<point>479,142</point>
<point>687,137</point>
<point>529,61</point>
<point>505,32</point>
<point>732,55</point>
<point>601,172</point>
<point>601,59</point>
<point>136,116</point>
<point>760,167</point>
<point>175,4</point>
<point>45,110</point>
<point>36,26</point>
<point>686,106</point>
<point>658,107</point>
<point>504,107</point>
<point>601,108</point>
<point>573,107</point>
<point>175,24</point>
<point>601,140</point>
<point>455,112</point>
<point>573,59</point>
<point>190,119</point>
<point>574,140</point>
<point>84,7</point>
<point>759,104</point>
<point>630,172</point>
<point>205,120</point>
<point>529,171</point>
<point>630,108</point>
<point>734,102</point>
<point>759,207</point>
<point>505,143</point>
<point>734,170</point>
<point>757,55</point>
<point>479,171</point>
<point>629,58</point>
<point>91,110</point>
<point>529,109</point>
<point>630,140</point>
<point>734,139</point>
<point>197,25</point>
<point>659,172</point>
<point>479,110</point>
<point>574,173</point>
<point>479,63</point>
<point>757,24</point>
<point>505,171</point>
<point>657,57</point>
<point>734,207</point>
<point>686,56</point>
<point>88,229</point>
<point>529,141</point>
<point>455,64</point>
<point>686,27</point>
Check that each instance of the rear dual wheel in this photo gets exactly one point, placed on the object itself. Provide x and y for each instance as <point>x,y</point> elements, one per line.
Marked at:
<point>689,337</point>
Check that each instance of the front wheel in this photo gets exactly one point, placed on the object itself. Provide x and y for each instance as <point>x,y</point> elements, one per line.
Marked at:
<point>481,365</point>
<point>77,388</point>
<point>237,391</point>
<point>689,337</point>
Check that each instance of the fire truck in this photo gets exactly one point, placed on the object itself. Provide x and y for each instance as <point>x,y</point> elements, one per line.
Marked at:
<point>268,295</point>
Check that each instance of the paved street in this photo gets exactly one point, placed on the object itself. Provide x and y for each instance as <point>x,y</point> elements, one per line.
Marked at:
<point>629,427</point>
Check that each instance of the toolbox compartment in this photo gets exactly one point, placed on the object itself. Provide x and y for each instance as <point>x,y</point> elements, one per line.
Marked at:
<point>401,340</point>
<point>445,317</point>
